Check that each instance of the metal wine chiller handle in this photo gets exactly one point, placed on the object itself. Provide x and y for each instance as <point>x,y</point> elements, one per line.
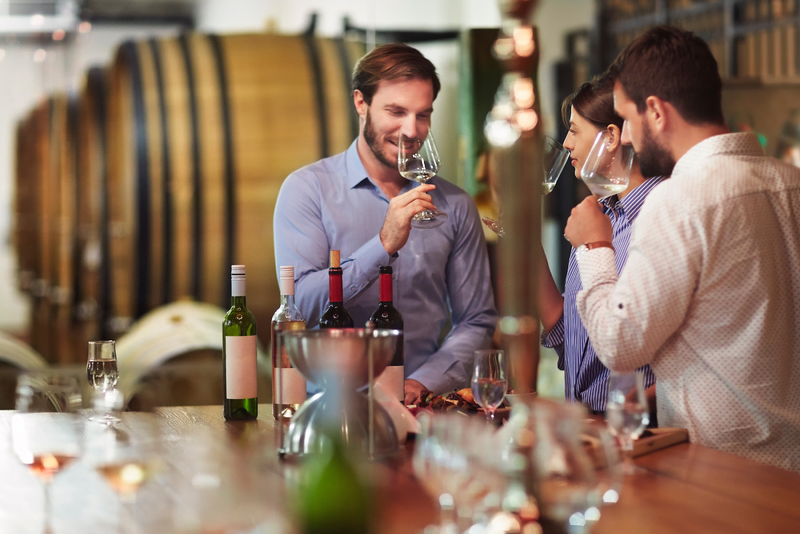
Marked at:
<point>513,129</point>
<point>370,327</point>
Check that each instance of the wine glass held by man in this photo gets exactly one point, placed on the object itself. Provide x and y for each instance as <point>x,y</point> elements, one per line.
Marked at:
<point>357,202</point>
<point>588,113</point>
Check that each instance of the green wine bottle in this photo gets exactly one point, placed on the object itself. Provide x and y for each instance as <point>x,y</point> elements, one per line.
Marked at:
<point>239,364</point>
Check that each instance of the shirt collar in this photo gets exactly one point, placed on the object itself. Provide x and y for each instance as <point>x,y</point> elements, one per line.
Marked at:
<point>356,172</point>
<point>632,202</point>
<point>743,144</point>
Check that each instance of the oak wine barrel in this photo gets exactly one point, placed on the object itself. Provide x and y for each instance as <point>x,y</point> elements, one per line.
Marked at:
<point>203,129</point>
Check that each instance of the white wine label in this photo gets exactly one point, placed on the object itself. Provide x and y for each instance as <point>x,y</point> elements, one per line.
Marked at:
<point>241,369</point>
<point>393,381</point>
<point>288,386</point>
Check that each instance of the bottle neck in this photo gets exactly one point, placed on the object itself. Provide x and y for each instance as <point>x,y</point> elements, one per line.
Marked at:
<point>335,285</point>
<point>238,287</point>
<point>238,301</point>
<point>386,288</point>
<point>287,301</point>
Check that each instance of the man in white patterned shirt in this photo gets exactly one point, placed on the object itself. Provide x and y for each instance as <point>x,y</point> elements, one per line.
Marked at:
<point>710,296</point>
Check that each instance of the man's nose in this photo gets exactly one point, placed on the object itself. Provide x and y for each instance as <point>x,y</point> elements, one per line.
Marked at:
<point>409,127</point>
<point>625,138</point>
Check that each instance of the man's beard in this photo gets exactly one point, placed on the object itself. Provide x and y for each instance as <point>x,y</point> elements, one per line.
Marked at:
<point>654,160</point>
<point>371,137</point>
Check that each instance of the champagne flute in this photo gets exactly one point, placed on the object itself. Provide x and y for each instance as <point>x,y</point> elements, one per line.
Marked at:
<point>418,160</point>
<point>626,411</point>
<point>608,166</point>
<point>44,427</point>
<point>101,370</point>
<point>489,380</point>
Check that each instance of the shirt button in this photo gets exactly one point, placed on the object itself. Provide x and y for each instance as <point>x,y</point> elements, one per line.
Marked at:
<point>620,306</point>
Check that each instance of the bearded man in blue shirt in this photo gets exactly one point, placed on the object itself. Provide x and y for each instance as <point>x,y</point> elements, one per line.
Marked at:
<point>358,203</point>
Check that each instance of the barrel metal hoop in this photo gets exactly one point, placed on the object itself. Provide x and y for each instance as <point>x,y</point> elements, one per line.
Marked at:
<point>130,52</point>
<point>319,92</point>
<point>166,178</point>
<point>197,207</point>
<point>344,61</point>
<point>230,193</point>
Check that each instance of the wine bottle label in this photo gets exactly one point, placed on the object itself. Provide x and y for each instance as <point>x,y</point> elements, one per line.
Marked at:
<point>241,369</point>
<point>288,386</point>
<point>392,379</point>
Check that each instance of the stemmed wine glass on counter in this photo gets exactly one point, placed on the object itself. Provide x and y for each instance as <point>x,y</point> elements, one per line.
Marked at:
<point>489,381</point>
<point>102,372</point>
<point>418,160</point>
<point>627,412</point>
<point>554,158</point>
<point>608,166</point>
<point>45,427</point>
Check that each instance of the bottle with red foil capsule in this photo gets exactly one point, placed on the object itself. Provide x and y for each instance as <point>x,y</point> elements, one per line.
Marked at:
<point>387,317</point>
<point>336,316</point>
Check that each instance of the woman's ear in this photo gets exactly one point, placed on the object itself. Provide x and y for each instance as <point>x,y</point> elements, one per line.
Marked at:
<point>614,136</point>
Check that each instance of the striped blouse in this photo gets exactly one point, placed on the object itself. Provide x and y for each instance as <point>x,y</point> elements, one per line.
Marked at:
<point>585,377</point>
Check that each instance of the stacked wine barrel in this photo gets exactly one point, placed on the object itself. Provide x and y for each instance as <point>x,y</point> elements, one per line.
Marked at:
<point>164,171</point>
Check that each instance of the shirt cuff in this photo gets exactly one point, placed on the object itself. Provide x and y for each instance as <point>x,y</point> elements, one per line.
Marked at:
<point>367,259</point>
<point>555,336</point>
<point>596,266</point>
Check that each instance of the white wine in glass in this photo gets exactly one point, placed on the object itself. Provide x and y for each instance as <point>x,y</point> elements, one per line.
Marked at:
<point>102,372</point>
<point>554,157</point>
<point>608,166</point>
<point>418,161</point>
<point>489,381</point>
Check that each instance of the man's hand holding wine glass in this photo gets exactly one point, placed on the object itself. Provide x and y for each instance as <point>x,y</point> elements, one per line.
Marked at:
<point>588,224</point>
<point>402,208</point>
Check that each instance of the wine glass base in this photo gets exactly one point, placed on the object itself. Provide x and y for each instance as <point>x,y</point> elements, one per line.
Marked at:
<point>428,219</point>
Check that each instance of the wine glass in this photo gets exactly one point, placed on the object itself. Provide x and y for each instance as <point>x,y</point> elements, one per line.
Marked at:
<point>418,160</point>
<point>554,157</point>
<point>608,166</point>
<point>627,413</point>
<point>489,380</point>
<point>125,455</point>
<point>101,370</point>
<point>44,427</point>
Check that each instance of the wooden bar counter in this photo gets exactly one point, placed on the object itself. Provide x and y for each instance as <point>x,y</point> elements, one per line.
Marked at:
<point>682,489</point>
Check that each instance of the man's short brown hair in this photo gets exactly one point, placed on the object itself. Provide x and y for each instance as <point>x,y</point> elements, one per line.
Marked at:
<point>675,66</point>
<point>391,62</point>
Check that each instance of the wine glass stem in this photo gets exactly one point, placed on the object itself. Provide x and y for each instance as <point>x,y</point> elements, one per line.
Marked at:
<point>127,516</point>
<point>627,456</point>
<point>48,529</point>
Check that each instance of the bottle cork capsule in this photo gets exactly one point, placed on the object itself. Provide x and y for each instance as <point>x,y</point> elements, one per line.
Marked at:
<point>335,258</point>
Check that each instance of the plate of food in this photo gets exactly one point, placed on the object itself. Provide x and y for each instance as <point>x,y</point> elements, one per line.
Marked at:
<point>461,400</point>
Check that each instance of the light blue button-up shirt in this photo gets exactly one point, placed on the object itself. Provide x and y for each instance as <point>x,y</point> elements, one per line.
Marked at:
<point>333,205</point>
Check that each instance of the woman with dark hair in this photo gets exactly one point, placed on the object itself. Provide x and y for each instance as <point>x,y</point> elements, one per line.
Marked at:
<point>587,112</point>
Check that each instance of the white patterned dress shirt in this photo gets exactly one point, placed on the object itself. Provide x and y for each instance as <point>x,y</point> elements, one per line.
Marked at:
<point>710,298</point>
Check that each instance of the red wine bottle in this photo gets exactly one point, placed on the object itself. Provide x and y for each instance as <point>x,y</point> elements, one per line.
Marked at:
<point>335,316</point>
<point>387,316</point>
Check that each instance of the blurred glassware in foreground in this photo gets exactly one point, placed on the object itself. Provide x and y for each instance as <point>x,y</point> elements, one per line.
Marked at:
<point>45,428</point>
<point>627,413</point>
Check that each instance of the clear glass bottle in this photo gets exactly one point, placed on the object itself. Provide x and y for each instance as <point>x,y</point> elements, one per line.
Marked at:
<point>288,385</point>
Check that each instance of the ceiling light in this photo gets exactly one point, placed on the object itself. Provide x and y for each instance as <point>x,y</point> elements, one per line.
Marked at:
<point>59,35</point>
<point>37,20</point>
<point>39,55</point>
<point>84,27</point>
